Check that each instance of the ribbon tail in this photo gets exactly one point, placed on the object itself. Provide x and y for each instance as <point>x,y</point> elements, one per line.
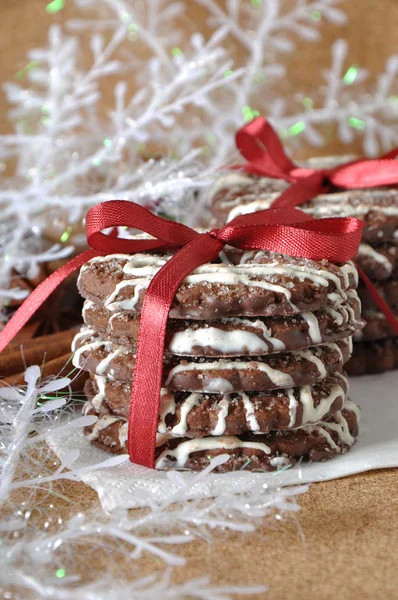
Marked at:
<point>300,192</point>
<point>380,303</point>
<point>39,295</point>
<point>148,372</point>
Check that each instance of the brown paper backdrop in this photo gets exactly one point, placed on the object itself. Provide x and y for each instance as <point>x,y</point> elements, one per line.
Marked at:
<point>348,547</point>
<point>371,32</point>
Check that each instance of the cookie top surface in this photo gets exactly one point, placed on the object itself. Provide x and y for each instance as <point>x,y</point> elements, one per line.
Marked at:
<point>267,285</point>
<point>378,208</point>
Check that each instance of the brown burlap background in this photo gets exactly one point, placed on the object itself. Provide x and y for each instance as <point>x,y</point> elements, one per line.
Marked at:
<point>348,543</point>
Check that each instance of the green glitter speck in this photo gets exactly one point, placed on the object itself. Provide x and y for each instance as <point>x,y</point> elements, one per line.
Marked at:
<point>249,113</point>
<point>308,102</point>
<point>351,75</point>
<point>256,3</point>
<point>60,573</point>
<point>55,6</point>
<point>316,15</point>
<point>66,235</point>
<point>296,128</point>
<point>21,74</point>
<point>107,142</point>
<point>228,72</point>
<point>177,51</point>
<point>356,123</point>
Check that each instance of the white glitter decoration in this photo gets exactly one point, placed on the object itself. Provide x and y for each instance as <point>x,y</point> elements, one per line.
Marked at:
<point>72,153</point>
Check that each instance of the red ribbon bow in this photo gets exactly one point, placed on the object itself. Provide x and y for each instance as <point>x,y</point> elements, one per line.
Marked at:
<point>287,231</point>
<point>259,144</point>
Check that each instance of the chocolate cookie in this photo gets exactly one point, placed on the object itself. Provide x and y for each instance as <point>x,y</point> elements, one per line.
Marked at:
<point>228,189</point>
<point>275,285</point>
<point>198,414</point>
<point>378,263</point>
<point>283,369</point>
<point>254,452</point>
<point>373,357</point>
<point>387,289</point>
<point>376,328</point>
<point>234,336</point>
<point>377,208</point>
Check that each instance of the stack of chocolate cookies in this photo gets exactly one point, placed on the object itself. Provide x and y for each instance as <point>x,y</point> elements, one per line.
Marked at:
<point>254,358</point>
<point>375,346</point>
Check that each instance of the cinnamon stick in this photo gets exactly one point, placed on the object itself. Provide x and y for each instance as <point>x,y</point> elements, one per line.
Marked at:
<point>61,365</point>
<point>35,352</point>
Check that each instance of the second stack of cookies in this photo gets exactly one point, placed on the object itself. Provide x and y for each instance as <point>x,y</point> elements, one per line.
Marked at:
<point>376,346</point>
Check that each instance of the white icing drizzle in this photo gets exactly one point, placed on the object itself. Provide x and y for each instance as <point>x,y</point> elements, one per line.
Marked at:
<point>343,378</point>
<point>277,378</point>
<point>88,305</point>
<point>142,268</point>
<point>219,385</point>
<point>293,404</point>
<point>182,451</point>
<point>230,180</point>
<point>279,462</point>
<point>312,413</point>
<point>100,395</point>
<point>337,315</point>
<point>104,363</point>
<point>221,425</point>
<point>85,332</point>
<point>224,258</point>
<point>186,407</point>
<point>123,434</point>
<point>367,250</point>
<point>251,207</point>
<point>251,419</point>
<point>129,303</point>
<point>313,327</point>
<point>90,348</point>
<point>113,317</point>
<point>348,269</point>
<point>247,256</point>
<point>103,422</point>
<point>226,342</point>
<point>323,205</point>
<point>167,407</point>
<point>308,355</point>
<point>339,425</point>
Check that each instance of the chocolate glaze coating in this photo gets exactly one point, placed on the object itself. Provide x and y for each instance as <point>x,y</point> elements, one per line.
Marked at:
<point>377,327</point>
<point>373,357</point>
<point>269,411</point>
<point>293,332</point>
<point>387,289</point>
<point>207,300</point>
<point>285,447</point>
<point>299,367</point>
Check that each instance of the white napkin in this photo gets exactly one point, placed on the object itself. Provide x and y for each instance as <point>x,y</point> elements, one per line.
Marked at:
<point>127,485</point>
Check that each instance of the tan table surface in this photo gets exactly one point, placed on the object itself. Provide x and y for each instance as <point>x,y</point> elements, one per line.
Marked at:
<point>343,544</point>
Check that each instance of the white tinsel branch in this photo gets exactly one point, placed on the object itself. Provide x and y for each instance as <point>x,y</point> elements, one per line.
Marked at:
<point>31,554</point>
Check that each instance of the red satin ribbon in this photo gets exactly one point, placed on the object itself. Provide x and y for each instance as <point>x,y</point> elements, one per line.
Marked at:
<point>288,231</point>
<point>259,144</point>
